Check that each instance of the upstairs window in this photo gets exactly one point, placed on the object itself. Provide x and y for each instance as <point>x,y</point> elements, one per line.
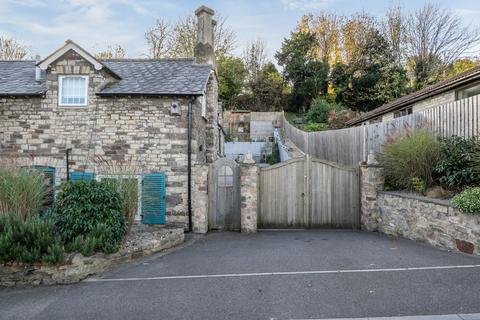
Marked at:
<point>468,92</point>
<point>73,91</point>
<point>203,101</point>
<point>402,112</point>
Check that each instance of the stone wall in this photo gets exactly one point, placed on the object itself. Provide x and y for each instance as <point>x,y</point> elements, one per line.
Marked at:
<point>428,220</point>
<point>141,242</point>
<point>249,184</point>
<point>137,129</point>
<point>200,199</point>
<point>415,217</point>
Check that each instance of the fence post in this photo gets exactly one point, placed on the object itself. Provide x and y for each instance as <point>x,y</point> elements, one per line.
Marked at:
<point>307,190</point>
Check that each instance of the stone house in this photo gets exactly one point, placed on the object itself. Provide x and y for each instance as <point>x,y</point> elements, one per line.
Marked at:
<point>461,86</point>
<point>163,115</point>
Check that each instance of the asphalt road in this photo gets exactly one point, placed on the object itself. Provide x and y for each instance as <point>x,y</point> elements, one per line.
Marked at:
<point>268,275</point>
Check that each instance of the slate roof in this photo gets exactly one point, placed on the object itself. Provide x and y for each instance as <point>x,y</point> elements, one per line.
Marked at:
<point>18,78</point>
<point>138,77</point>
<point>434,89</point>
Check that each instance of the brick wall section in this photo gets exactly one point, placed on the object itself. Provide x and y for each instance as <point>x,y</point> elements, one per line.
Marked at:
<point>116,128</point>
<point>371,182</point>
<point>200,199</point>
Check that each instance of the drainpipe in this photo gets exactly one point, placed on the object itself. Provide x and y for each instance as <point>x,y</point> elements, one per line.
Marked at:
<point>189,163</point>
<point>67,156</point>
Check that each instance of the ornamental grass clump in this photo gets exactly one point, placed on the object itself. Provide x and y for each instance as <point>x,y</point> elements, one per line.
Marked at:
<point>410,158</point>
<point>468,201</point>
<point>22,191</point>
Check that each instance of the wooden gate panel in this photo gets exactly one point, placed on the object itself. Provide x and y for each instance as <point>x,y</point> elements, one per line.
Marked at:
<point>306,192</point>
<point>282,192</point>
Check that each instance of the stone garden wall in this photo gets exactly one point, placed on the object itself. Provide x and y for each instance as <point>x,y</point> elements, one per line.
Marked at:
<point>249,177</point>
<point>415,217</point>
<point>428,220</point>
<point>143,240</point>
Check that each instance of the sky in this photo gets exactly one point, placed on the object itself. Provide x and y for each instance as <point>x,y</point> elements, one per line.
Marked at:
<point>44,25</point>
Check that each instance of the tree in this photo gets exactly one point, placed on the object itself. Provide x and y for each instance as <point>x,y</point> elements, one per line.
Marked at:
<point>11,49</point>
<point>357,34</point>
<point>254,58</point>
<point>435,39</point>
<point>268,89</point>
<point>394,32</point>
<point>112,52</point>
<point>308,77</point>
<point>231,77</point>
<point>158,39</point>
<point>327,30</point>
<point>179,40</point>
<point>463,64</point>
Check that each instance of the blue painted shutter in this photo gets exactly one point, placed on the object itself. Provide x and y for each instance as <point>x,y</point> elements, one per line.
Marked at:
<point>79,176</point>
<point>153,198</point>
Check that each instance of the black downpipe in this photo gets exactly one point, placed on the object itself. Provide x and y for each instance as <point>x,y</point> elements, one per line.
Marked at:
<point>189,164</point>
<point>67,156</point>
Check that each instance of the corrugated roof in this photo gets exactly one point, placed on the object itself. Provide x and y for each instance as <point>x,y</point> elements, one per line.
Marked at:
<point>437,88</point>
<point>138,77</point>
<point>18,78</point>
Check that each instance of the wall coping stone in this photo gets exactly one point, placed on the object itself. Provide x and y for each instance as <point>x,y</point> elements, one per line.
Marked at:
<point>408,195</point>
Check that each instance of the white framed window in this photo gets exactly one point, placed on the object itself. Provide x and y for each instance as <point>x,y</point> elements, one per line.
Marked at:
<point>203,102</point>
<point>73,91</point>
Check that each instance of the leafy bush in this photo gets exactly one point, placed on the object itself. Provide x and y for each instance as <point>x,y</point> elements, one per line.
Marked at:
<point>411,156</point>
<point>319,110</point>
<point>418,185</point>
<point>310,127</point>
<point>454,168</point>
<point>468,201</point>
<point>338,119</point>
<point>82,207</point>
<point>30,240</point>
<point>100,239</point>
<point>22,191</point>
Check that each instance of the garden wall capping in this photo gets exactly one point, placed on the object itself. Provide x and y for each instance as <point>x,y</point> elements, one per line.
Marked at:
<point>142,241</point>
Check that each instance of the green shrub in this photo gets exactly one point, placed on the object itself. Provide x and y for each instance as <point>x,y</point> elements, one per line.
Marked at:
<point>411,156</point>
<point>319,110</point>
<point>454,168</point>
<point>85,206</point>
<point>311,127</point>
<point>30,240</point>
<point>22,191</point>
<point>468,201</point>
<point>418,185</point>
<point>100,239</point>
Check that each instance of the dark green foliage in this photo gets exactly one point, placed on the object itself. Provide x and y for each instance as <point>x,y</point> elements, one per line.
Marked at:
<point>312,126</point>
<point>231,76</point>
<point>30,240</point>
<point>308,77</point>
<point>85,207</point>
<point>419,185</point>
<point>410,157</point>
<point>454,168</point>
<point>371,80</point>
<point>468,201</point>
<point>319,110</point>
<point>100,239</point>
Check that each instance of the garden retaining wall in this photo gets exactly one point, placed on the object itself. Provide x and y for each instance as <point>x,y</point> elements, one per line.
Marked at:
<point>143,241</point>
<point>415,217</point>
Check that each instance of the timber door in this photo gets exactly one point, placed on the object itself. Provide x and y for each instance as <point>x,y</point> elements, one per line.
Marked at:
<point>224,195</point>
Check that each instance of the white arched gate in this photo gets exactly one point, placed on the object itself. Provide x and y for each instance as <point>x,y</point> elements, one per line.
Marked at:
<point>224,195</point>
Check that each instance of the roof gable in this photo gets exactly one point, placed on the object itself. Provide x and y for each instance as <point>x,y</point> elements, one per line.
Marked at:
<point>70,45</point>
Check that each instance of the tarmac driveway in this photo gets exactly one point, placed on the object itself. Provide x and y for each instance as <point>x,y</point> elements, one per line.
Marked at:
<point>268,275</point>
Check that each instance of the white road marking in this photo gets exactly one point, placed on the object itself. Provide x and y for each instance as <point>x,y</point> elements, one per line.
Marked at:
<point>464,316</point>
<point>281,273</point>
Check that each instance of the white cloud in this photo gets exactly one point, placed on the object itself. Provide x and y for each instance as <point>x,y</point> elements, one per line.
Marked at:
<point>304,5</point>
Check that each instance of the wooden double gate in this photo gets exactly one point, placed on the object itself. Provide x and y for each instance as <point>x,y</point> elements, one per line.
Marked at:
<point>309,193</point>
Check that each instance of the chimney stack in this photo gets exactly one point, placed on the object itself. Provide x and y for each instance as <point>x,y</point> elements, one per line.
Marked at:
<point>204,49</point>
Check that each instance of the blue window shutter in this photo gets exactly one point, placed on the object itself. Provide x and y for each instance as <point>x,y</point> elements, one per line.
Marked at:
<point>153,198</point>
<point>79,176</point>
